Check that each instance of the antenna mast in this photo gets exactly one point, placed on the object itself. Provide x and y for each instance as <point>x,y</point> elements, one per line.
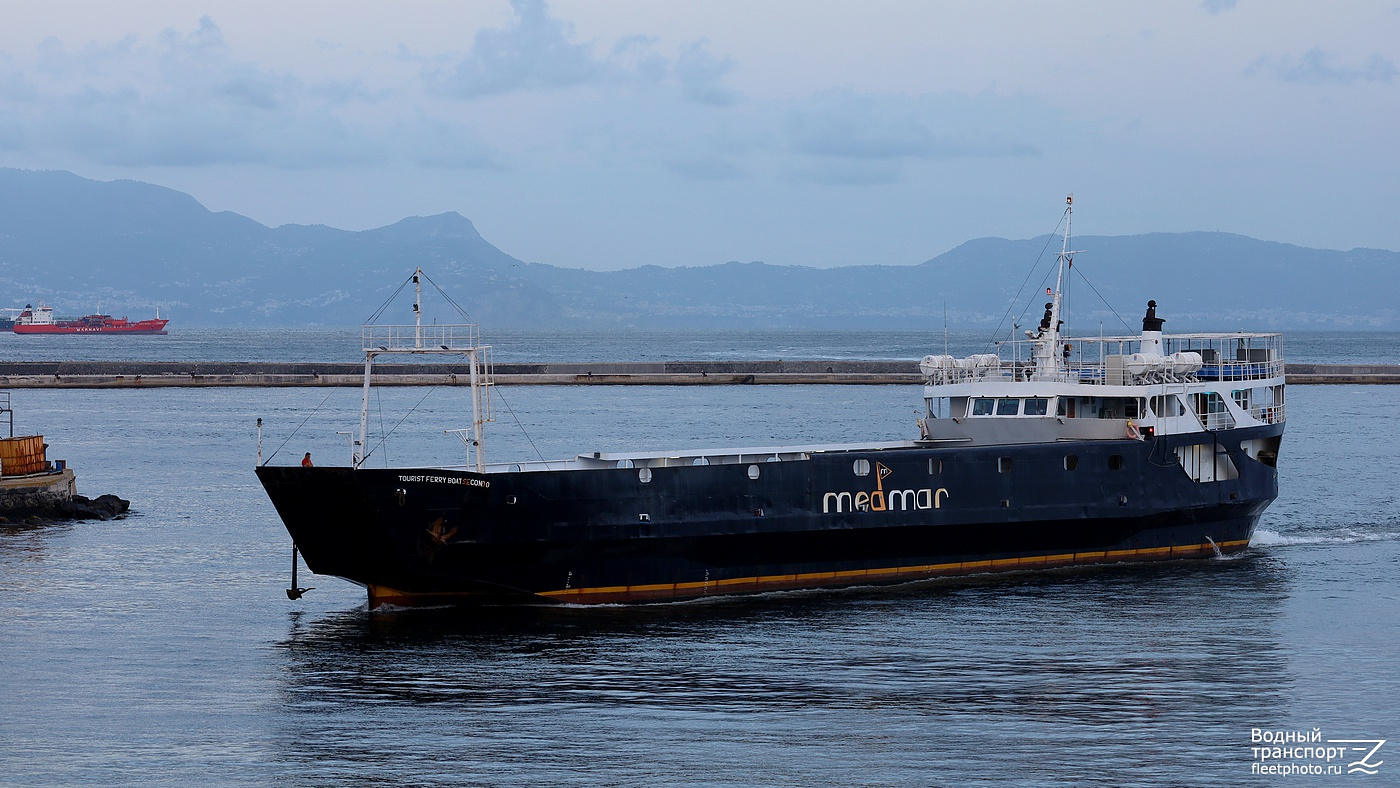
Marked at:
<point>1047,340</point>
<point>418,307</point>
<point>1066,259</point>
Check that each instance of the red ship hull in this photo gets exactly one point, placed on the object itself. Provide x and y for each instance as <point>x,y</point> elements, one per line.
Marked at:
<point>94,324</point>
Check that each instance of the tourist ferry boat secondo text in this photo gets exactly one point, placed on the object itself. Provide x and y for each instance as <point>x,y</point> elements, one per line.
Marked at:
<point>1048,453</point>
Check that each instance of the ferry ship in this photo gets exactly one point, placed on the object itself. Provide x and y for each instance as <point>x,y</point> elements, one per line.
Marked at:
<point>1052,452</point>
<point>40,320</point>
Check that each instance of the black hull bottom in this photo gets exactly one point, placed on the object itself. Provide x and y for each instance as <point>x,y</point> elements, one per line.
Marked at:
<point>841,518</point>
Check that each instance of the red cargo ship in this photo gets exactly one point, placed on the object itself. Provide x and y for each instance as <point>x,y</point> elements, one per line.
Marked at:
<point>42,321</point>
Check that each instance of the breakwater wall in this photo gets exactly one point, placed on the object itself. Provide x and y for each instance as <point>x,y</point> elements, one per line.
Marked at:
<point>153,374</point>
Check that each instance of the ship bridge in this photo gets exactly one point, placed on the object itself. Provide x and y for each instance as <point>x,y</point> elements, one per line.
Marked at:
<point>1106,387</point>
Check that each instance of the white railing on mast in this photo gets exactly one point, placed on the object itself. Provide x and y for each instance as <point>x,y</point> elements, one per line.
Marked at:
<point>436,339</point>
<point>432,338</point>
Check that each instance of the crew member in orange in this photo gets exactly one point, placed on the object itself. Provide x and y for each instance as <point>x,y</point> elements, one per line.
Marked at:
<point>306,461</point>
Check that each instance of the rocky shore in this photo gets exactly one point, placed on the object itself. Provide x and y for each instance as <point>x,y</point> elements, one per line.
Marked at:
<point>79,507</point>
<point>53,496</point>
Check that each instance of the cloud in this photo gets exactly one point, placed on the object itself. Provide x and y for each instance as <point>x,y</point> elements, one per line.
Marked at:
<point>182,101</point>
<point>1218,6</point>
<point>850,126</point>
<point>707,167</point>
<point>186,98</point>
<point>842,173</point>
<point>536,53</point>
<point>836,137</point>
<point>700,75</point>
<point>533,53</point>
<point>842,124</point>
<point>15,91</point>
<point>440,144</point>
<point>527,96</point>
<point>1319,67</point>
<point>636,56</point>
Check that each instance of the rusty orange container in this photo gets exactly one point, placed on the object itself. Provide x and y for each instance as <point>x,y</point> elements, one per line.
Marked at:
<point>19,456</point>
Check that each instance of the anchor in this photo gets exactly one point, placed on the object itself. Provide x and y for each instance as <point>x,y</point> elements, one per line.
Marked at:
<point>294,593</point>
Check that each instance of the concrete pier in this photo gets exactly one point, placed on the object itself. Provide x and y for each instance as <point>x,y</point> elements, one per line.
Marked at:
<point>41,494</point>
<point>1342,373</point>
<point>155,374</point>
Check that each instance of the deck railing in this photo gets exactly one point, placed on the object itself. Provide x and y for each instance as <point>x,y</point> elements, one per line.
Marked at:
<point>1107,361</point>
<point>433,338</point>
<point>1269,414</point>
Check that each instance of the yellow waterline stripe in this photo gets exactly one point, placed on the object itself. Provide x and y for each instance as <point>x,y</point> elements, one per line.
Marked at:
<point>898,570</point>
<point>385,591</point>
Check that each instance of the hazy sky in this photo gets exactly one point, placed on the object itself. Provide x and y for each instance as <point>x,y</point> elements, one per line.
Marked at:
<point>616,133</point>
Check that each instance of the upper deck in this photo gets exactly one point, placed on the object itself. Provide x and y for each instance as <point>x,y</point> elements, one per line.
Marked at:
<point>1120,360</point>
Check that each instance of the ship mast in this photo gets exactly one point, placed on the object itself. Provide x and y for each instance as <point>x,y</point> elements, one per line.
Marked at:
<point>441,339</point>
<point>1048,341</point>
<point>418,307</point>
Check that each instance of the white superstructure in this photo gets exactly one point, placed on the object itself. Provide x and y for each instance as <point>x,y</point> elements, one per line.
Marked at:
<point>1049,387</point>
<point>31,316</point>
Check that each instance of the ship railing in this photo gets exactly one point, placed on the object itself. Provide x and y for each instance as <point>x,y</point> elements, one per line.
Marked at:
<point>1217,421</point>
<point>1109,361</point>
<point>1268,414</point>
<point>523,467</point>
<point>433,338</point>
<point>952,375</point>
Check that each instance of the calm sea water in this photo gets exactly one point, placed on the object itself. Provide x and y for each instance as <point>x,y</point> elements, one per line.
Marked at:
<point>523,346</point>
<point>161,648</point>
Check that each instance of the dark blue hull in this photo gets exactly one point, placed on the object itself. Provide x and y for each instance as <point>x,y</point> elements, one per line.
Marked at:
<point>428,536</point>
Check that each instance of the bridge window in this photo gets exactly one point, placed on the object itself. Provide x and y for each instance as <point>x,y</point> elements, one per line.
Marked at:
<point>1036,406</point>
<point>982,406</point>
<point>1008,407</point>
<point>1121,408</point>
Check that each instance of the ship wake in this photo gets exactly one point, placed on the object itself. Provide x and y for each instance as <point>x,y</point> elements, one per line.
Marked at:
<point>1382,533</point>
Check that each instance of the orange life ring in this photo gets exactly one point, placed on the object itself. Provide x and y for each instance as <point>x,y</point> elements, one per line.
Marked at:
<point>1133,432</point>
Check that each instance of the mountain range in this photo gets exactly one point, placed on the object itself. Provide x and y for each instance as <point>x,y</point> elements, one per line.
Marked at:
<point>130,247</point>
